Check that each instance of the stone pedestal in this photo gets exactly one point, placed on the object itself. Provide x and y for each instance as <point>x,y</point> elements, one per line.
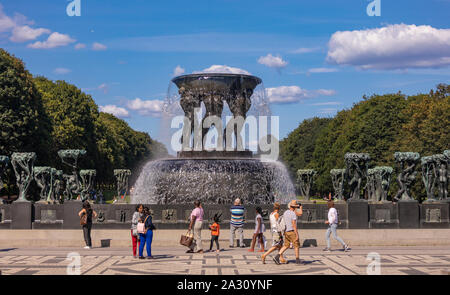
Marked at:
<point>434,215</point>
<point>48,216</point>
<point>71,218</point>
<point>408,214</point>
<point>21,215</point>
<point>383,215</point>
<point>358,214</point>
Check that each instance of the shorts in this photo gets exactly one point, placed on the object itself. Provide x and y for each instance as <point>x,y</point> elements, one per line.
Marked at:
<point>289,237</point>
<point>277,240</point>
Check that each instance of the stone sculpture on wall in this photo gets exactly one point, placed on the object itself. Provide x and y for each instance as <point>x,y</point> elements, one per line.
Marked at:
<point>305,179</point>
<point>23,164</point>
<point>87,182</point>
<point>337,178</point>
<point>356,166</point>
<point>122,177</point>
<point>407,163</point>
<point>70,158</point>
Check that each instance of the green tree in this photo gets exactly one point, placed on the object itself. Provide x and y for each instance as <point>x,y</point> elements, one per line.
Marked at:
<point>24,125</point>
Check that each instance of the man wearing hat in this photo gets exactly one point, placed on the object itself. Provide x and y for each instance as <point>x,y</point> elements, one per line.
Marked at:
<point>291,234</point>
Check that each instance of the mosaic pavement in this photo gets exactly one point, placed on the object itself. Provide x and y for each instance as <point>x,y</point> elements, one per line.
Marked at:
<point>109,261</point>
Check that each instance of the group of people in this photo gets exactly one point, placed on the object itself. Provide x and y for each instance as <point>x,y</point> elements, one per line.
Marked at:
<point>282,227</point>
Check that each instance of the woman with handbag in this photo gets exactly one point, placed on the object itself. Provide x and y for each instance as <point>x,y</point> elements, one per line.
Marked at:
<point>196,222</point>
<point>139,213</point>
<point>145,230</point>
<point>86,222</point>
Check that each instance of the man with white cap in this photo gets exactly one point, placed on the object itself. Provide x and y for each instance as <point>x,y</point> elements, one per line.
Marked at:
<point>291,234</point>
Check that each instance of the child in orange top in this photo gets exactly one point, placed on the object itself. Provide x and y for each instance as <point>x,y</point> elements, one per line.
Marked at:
<point>215,232</point>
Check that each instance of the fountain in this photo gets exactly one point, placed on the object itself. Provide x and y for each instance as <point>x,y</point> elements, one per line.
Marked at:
<point>213,175</point>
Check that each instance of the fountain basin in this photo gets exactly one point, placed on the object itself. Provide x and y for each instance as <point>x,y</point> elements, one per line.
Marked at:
<point>213,181</point>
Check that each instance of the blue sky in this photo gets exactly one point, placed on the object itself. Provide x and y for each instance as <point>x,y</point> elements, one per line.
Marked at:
<point>294,44</point>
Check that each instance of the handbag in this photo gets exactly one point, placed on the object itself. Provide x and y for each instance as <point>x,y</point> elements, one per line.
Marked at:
<point>83,219</point>
<point>187,239</point>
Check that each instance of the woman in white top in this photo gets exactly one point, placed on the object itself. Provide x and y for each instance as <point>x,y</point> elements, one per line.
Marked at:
<point>277,237</point>
<point>332,227</point>
<point>259,229</point>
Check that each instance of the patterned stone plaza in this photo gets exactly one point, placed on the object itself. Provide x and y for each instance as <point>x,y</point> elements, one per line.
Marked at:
<point>418,260</point>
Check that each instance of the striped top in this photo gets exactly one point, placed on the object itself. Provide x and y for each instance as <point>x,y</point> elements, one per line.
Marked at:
<point>237,216</point>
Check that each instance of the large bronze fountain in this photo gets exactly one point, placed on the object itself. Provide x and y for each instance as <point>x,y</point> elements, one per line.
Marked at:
<point>221,174</point>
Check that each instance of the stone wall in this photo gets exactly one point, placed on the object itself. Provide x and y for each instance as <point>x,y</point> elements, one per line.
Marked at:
<point>352,215</point>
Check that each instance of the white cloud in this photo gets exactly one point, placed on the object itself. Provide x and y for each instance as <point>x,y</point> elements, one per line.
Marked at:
<point>178,71</point>
<point>54,40</point>
<point>151,108</point>
<point>223,69</point>
<point>272,61</point>
<point>103,87</point>
<point>115,110</point>
<point>322,70</point>
<point>80,46</point>
<point>98,46</point>
<point>305,50</point>
<point>26,33</point>
<point>292,94</point>
<point>6,23</point>
<point>327,111</point>
<point>328,103</point>
<point>61,71</point>
<point>397,46</point>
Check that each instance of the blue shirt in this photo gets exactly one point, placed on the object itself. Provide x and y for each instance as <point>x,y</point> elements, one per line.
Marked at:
<point>237,216</point>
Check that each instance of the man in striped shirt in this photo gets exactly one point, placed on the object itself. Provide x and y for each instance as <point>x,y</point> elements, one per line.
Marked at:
<point>237,223</point>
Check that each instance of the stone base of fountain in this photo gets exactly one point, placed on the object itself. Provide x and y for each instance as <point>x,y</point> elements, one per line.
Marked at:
<point>213,181</point>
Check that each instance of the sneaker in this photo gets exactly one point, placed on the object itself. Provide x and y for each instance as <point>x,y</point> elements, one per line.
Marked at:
<point>190,251</point>
<point>251,250</point>
<point>243,246</point>
<point>231,246</point>
<point>298,261</point>
<point>87,247</point>
<point>141,257</point>
<point>346,248</point>
<point>327,249</point>
<point>150,257</point>
<point>276,259</point>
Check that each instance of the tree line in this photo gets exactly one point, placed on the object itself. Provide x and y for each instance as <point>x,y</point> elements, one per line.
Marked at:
<point>44,116</point>
<point>379,125</point>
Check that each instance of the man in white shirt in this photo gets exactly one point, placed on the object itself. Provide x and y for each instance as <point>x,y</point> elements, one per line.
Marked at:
<point>332,228</point>
<point>291,234</point>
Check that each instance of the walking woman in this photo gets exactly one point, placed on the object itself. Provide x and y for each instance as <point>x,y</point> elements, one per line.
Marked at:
<point>146,238</point>
<point>196,222</point>
<point>86,215</point>
<point>138,214</point>
<point>332,228</point>
<point>259,229</point>
<point>277,236</point>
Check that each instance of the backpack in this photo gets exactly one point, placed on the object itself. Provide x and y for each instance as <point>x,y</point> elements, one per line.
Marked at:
<point>281,224</point>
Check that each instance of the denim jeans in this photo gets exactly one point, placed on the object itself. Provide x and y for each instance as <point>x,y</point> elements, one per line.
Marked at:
<point>87,234</point>
<point>240,231</point>
<point>145,239</point>
<point>332,229</point>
